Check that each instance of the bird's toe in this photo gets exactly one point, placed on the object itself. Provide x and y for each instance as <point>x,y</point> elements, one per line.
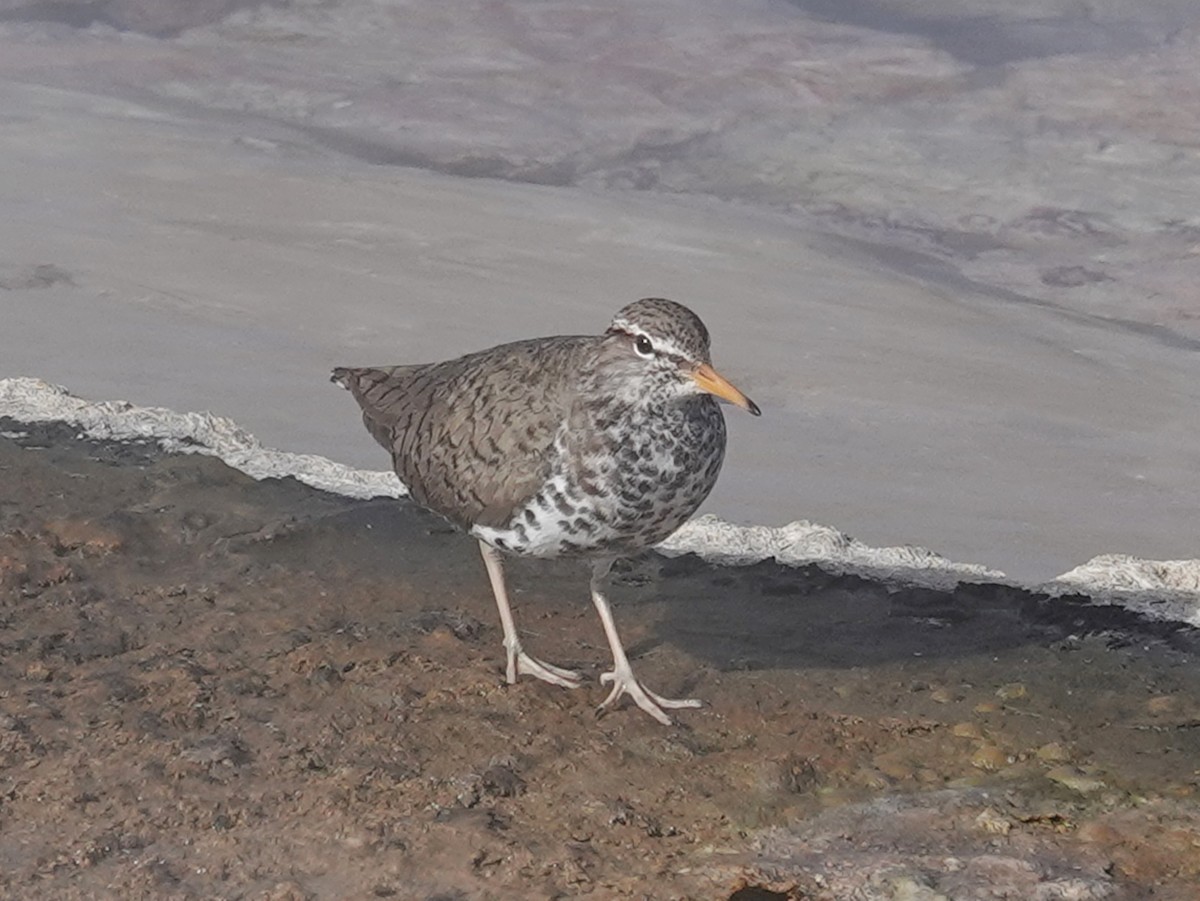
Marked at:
<point>625,683</point>
<point>547,672</point>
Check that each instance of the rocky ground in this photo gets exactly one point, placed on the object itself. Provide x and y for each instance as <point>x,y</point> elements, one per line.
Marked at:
<point>212,687</point>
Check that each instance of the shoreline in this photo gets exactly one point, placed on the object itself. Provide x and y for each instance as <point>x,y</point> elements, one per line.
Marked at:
<point>1160,589</point>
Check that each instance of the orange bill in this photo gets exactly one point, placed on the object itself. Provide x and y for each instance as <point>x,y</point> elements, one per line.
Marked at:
<point>715,383</point>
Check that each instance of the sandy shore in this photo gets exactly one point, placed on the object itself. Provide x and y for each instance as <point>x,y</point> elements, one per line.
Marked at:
<point>222,688</point>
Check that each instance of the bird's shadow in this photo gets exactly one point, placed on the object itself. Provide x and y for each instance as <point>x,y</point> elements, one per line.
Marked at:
<point>768,615</point>
<point>760,616</point>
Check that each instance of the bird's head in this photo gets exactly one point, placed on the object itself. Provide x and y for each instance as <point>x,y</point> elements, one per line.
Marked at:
<point>660,348</point>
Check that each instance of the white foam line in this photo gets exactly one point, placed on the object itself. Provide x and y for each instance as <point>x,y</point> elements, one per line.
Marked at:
<point>1160,589</point>
<point>802,542</point>
<point>32,400</point>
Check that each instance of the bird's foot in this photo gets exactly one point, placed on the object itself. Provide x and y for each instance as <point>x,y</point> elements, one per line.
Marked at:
<point>520,663</point>
<point>625,683</point>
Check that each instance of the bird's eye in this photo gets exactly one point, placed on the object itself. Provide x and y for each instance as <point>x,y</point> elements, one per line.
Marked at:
<point>643,346</point>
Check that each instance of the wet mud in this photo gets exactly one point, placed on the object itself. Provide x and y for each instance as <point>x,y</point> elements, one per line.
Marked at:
<point>212,687</point>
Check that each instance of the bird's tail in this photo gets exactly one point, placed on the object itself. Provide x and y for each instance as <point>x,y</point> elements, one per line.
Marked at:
<point>376,389</point>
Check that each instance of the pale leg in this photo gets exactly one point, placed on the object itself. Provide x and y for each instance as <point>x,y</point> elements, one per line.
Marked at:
<point>518,661</point>
<point>621,677</point>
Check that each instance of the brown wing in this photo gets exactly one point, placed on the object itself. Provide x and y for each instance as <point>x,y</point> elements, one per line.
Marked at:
<point>473,438</point>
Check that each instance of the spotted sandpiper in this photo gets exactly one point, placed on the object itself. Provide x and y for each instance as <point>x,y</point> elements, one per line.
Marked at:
<point>588,446</point>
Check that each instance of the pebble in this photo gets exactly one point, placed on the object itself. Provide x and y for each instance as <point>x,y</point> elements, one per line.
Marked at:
<point>906,888</point>
<point>1077,780</point>
<point>73,534</point>
<point>1012,691</point>
<point>1161,704</point>
<point>285,891</point>
<point>966,730</point>
<point>989,758</point>
<point>37,671</point>
<point>1053,752</point>
<point>872,778</point>
<point>993,823</point>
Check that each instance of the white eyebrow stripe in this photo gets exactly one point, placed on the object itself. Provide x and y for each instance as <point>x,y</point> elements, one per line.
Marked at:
<point>661,344</point>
